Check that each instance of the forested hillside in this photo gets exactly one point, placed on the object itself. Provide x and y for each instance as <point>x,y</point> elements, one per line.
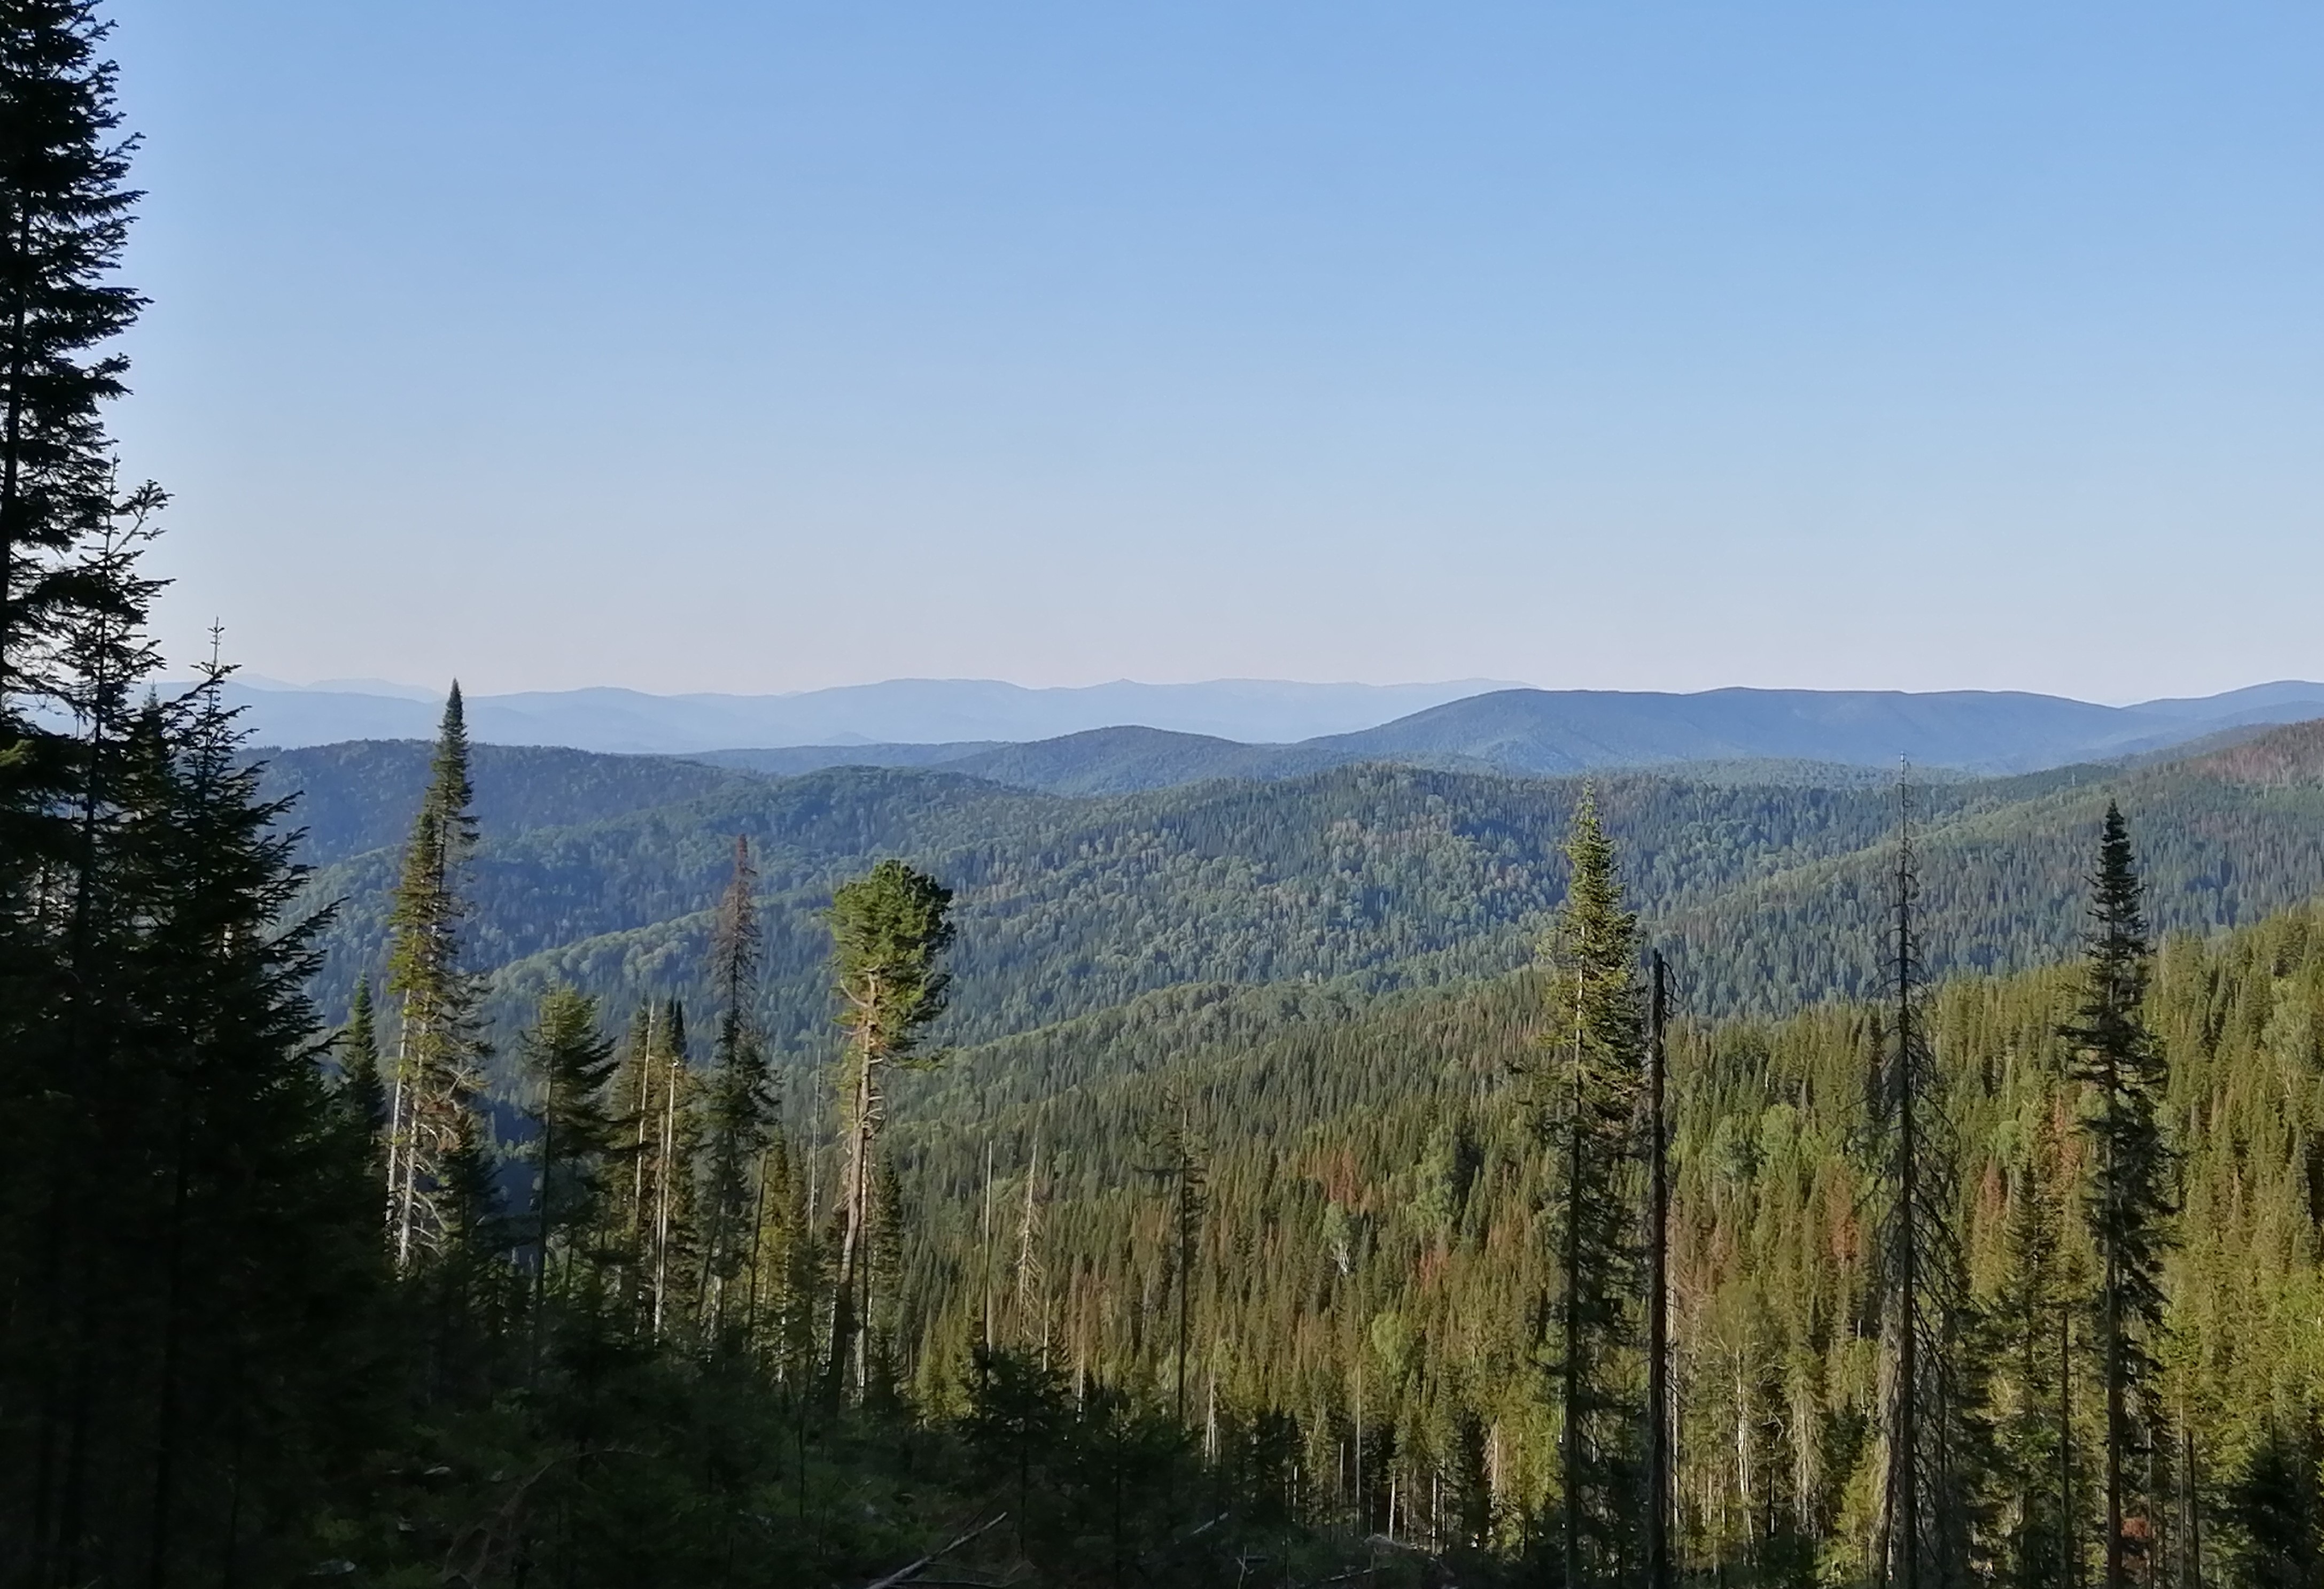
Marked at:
<point>601,871</point>
<point>499,1168</point>
<point>1374,1241</point>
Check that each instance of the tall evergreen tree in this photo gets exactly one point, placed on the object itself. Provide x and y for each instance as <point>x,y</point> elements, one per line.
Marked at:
<point>433,1136</point>
<point>64,220</point>
<point>2129,1202</point>
<point>1925,1506</point>
<point>1179,1166</point>
<point>1587,1074</point>
<point>367,1093</point>
<point>257,1213</point>
<point>570,1065</point>
<point>2033,1441</point>
<point>738,1109</point>
<point>888,932</point>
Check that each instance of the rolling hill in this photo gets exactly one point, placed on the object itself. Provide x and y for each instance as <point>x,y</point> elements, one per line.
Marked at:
<point>1350,881</point>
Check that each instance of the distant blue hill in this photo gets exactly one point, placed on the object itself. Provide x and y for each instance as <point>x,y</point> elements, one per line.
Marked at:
<point>1759,734</point>
<point>995,731</point>
<point>1573,731</point>
<point>900,711</point>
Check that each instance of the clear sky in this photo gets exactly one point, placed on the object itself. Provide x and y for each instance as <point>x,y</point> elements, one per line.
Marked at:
<point>745,344</point>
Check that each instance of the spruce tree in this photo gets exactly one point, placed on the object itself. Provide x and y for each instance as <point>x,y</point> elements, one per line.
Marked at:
<point>1586,1074</point>
<point>2129,1203</point>
<point>64,220</point>
<point>85,784</point>
<point>888,932</point>
<point>738,1112</point>
<point>367,1093</point>
<point>1178,1166</point>
<point>569,1065</point>
<point>1925,1481</point>
<point>2033,1434</point>
<point>433,1139</point>
<point>210,1271</point>
<point>262,1266</point>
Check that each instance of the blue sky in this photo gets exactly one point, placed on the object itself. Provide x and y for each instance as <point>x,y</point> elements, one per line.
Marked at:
<point>723,346</point>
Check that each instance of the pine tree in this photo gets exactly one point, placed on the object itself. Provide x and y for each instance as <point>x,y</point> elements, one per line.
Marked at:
<point>2129,1205</point>
<point>738,1110</point>
<point>1587,1075</point>
<point>889,930</point>
<point>435,1075</point>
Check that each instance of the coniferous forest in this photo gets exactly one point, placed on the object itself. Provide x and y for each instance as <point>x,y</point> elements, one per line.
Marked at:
<point>876,1178</point>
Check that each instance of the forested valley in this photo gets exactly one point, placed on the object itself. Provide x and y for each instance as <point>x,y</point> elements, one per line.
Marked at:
<point>444,1164</point>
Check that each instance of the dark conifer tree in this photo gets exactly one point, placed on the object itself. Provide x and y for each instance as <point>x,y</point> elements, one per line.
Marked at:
<point>2129,1202</point>
<point>264,1272</point>
<point>366,1092</point>
<point>80,797</point>
<point>2033,1424</point>
<point>1586,1076</point>
<point>570,1065</point>
<point>1660,1466</point>
<point>1926,1481</point>
<point>64,221</point>
<point>1180,1167</point>
<point>738,1110</point>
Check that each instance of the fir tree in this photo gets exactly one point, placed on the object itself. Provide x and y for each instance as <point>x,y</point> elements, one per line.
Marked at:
<point>889,930</point>
<point>435,1075</point>
<point>1586,1076</point>
<point>259,1264</point>
<point>2033,1440</point>
<point>738,1110</point>
<point>1924,1491</point>
<point>2129,1203</point>
<point>570,1065</point>
<point>366,1092</point>
<point>64,220</point>
<point>1180,1167</point>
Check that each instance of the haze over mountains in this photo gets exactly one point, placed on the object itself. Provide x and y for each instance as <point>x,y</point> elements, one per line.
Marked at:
<point>1118,738</point>
<point>904,711</point>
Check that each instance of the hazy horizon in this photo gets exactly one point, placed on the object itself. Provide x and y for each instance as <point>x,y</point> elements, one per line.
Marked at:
<point>406,689</point>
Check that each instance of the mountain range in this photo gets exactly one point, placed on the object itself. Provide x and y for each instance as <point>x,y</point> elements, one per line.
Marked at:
<point>1757,735</point>
<point>903,711</point>
<point>1118,738</point>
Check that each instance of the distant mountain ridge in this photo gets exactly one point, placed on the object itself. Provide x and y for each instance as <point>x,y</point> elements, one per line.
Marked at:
<point>899,711</point>
<point>1754,735</point>
<point>1528,732</point>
